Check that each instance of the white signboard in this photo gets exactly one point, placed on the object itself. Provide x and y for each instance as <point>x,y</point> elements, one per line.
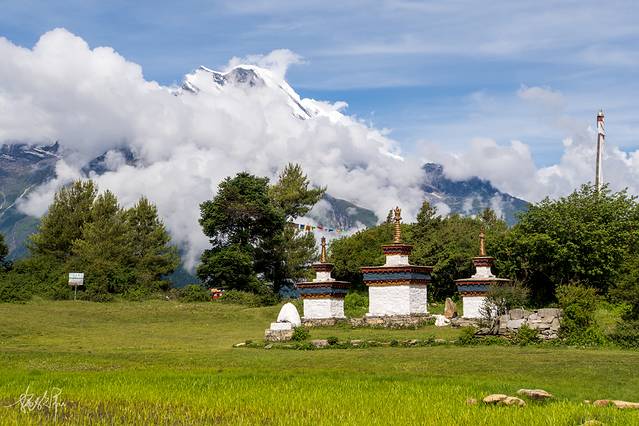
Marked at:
<point>76,278</point>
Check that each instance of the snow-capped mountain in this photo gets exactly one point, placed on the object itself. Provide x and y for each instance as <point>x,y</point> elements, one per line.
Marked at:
<point>251,77</point>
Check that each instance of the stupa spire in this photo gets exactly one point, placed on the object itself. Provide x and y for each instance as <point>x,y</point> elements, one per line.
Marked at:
<point>398,227</point>
<point>482,243</point>
<point>323,252</point>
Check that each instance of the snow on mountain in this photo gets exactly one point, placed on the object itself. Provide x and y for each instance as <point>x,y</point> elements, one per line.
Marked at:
<point>251,77</point>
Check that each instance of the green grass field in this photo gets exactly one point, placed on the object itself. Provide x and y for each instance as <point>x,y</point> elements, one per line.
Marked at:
<point>170,363</point>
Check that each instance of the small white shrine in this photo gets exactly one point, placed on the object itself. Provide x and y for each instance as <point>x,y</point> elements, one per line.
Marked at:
<point>282,328</point>
<point>474,289</point>
<point>397,288</point>
<point>324,296</point>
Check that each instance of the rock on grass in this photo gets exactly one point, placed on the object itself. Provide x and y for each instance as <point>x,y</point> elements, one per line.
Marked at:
<point>622,405</point>
<point>502,399</point>
<point>494,398</point>
<point>534,393</point>
<point>512,401</point>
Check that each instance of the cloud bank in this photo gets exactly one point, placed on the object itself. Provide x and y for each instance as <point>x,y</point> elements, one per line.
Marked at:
<point>187,139</point>
<point>511,167</point>
<point>94,101</point>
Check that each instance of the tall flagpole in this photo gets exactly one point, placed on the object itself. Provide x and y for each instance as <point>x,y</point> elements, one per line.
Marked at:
<point>601,136</point>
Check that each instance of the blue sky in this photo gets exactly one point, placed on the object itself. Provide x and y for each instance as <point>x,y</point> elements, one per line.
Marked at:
<point>437,73</point>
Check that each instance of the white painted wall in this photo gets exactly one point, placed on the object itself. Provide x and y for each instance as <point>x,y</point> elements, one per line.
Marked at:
<point>323,276</point>
<point>418,299</point>
<point>483,272</point>
<point>323,308</point>
<point>396,260</point>
<point>397,300</point>
<point>388,300</point>
<point>471,306</point>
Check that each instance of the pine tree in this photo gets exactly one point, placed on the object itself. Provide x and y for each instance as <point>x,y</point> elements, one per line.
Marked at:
<point>296,249</point>
<point>105,249</point>
<point>152,256</point>
<point>65,220</point>
<point>291,193</point>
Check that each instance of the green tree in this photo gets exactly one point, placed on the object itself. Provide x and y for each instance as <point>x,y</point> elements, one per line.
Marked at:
<point>4,252</point>
<point>585,237</point>
<point>241,219</point>
<point>229,267</point>
<point>294,197</point>
<point>292,193</point>
<point>64,221</point>
<point>363,248</point>
<point>105,249</point>
<point>449,244</point>
<point>298,249</point>
<point>152,256</point>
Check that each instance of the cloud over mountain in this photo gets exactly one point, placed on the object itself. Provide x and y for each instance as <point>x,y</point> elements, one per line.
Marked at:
<point>187,139</point>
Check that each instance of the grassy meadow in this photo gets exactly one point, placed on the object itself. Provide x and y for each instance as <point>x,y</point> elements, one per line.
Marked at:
<point>169,363</point>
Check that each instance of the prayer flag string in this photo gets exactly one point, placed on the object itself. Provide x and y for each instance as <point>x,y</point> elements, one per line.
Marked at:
<point>310,228</point>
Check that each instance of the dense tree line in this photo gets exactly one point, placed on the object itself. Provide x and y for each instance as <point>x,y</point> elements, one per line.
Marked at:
<point>120,251</point>
<point>587,238</point>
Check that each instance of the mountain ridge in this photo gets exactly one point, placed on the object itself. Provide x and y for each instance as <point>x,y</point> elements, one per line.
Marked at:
<point>23,167</point>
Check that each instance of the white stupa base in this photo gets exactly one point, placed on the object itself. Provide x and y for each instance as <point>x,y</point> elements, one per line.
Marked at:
<point>323,308</point>
<point>280,326</point>
<point>397,300</point>
<point>472,306</point>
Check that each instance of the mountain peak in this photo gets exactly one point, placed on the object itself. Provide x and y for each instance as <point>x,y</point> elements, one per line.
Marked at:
<point>246,77</point>
<point>469,196</point>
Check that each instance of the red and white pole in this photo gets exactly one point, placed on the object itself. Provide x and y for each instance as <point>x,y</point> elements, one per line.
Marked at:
<point>601,135</point>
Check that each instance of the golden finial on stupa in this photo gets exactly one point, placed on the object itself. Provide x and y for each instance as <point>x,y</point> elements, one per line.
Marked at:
<point>323,252</point>
<point>398,228</point>
<point>482,243</point>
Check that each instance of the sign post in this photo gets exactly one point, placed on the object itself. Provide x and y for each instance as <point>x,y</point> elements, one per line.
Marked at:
<point>76,279</point>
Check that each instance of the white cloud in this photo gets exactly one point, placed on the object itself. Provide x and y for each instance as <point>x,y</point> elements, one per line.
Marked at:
<point>277,61</point>
<point>94,101</point>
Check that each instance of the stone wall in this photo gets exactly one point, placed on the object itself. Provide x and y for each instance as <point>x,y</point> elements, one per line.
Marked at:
<point>546,321</point>
<point>394,321</point>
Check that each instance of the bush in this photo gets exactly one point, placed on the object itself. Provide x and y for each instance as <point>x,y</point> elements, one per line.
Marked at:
<point>300,334</point>
<point>578,324</point>
<point>12,289</point>
<point>502,298</point>
<point>193,293</point>
<point>355,305</point>
<point>137,294</point>
<point>626,334</point>
<point>332,340</point>
<point>253,300</point>
<point>467,336</point>
<point>526,336</point>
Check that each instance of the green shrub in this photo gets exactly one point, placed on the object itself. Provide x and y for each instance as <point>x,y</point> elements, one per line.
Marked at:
<point>332,340</point>
<point>355,305</point>
<point>12,290</point>
<point>494,340</point>
<point>626,334</point>
<point>137,294</point>
<point>467,336</point>
<point>300,334</point>
<point>193,293</point>
<point>526,336</point>
<point>578,325</point>
<point>394,343</point>
<point>503,297</point>
<point>253,300</point>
